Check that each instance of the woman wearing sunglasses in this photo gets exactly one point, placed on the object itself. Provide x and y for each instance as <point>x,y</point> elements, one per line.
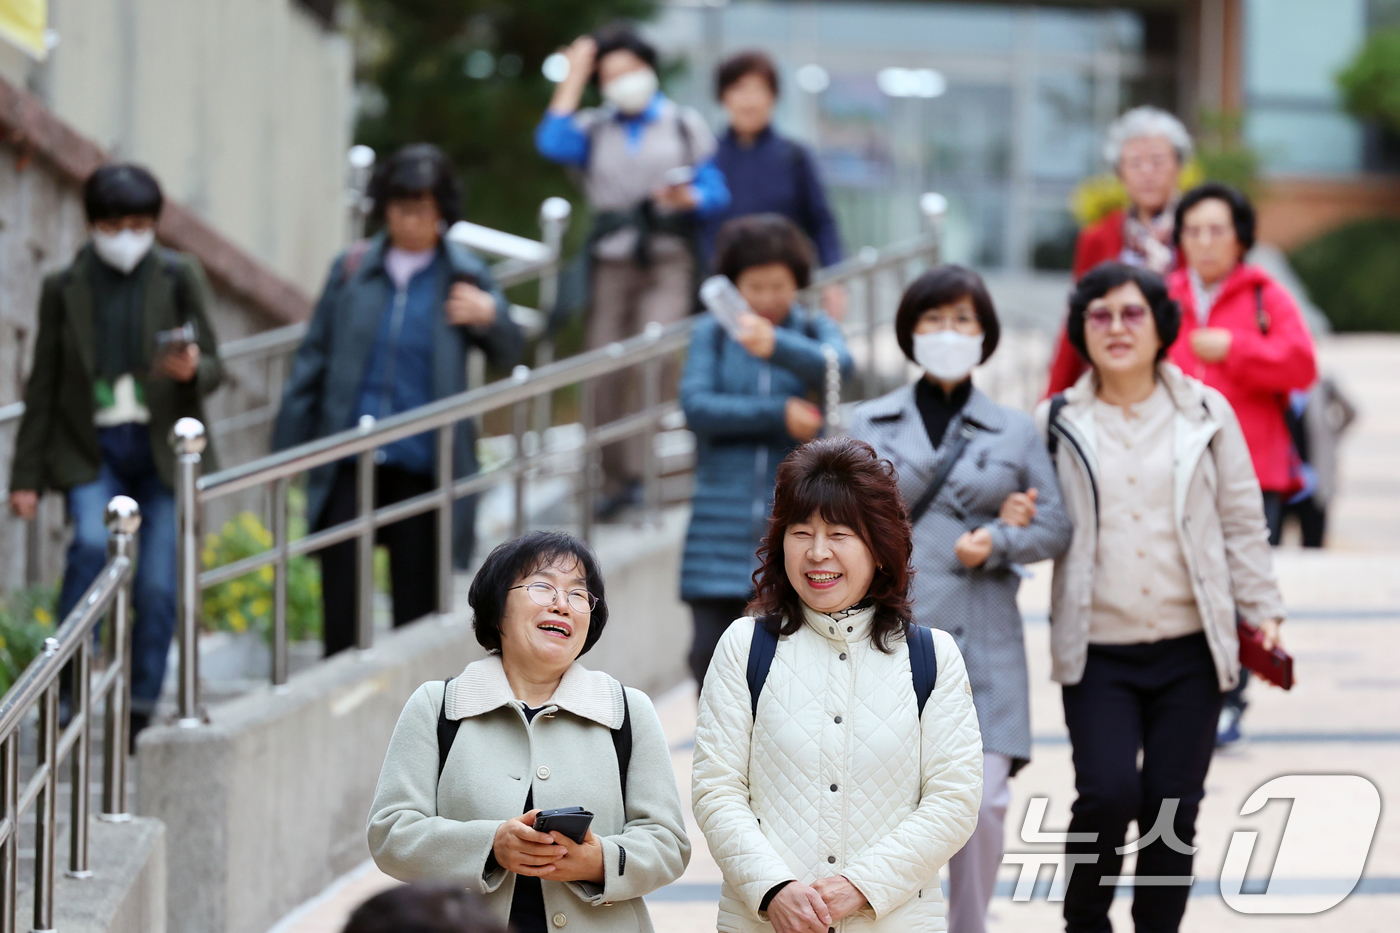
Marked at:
<point>474,761</point>
<point>1169,543</point>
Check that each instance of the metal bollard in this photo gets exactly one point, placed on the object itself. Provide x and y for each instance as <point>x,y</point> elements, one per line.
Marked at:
<point>123,520</point>
<point>832,388</point>
<point>189,441</point>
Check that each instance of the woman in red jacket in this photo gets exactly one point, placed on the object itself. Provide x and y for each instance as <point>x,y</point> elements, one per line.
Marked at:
<point>1147,147</point>
<point>1241,332</point>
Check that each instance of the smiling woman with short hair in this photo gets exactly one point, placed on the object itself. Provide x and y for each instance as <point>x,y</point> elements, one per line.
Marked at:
<point>474,760</point>
<point>838,763</point>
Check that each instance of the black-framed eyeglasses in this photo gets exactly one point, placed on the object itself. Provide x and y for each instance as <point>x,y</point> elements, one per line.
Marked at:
<point>547,594</point>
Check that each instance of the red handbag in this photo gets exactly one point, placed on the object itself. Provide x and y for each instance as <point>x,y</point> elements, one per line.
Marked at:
<point>1274,665</point>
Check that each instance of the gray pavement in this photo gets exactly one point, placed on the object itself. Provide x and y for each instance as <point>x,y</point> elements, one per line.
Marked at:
<point>1341,718</point>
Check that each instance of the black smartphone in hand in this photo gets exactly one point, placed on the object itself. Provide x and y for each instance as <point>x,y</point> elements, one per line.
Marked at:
<point>572,822</point>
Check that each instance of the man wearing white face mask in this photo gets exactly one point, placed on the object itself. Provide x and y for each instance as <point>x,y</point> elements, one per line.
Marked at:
<point>649,173</point>
<point>983,500</point>
<point>124,350</point>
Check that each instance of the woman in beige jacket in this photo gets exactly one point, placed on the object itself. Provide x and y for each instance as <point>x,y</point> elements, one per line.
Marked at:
<point>473,762</point>
<point>1169,543</point>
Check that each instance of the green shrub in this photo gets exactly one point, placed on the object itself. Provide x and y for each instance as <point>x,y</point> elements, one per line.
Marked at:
<point>1371,82</point>
<point>246,602</point>
<point>1353,274</point>
<point>26,619</point>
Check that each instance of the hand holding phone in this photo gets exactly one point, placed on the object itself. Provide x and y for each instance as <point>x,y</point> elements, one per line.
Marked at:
<point>572,822</point>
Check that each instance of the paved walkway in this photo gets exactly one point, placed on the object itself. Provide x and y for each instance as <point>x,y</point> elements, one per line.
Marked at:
<point>1344,632</point>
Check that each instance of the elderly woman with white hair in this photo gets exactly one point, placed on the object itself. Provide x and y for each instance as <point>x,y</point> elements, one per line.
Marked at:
<point>1147,148</point>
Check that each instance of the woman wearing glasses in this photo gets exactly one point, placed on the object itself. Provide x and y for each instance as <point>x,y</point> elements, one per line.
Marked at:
<point>1169,542</point>
<point>996,508</point>
<point>474,760</point>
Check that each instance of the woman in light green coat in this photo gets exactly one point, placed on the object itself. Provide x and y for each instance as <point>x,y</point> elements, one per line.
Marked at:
<point>473,761</point>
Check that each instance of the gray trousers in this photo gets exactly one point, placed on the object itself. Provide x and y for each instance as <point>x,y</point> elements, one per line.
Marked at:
<point>625,299</point>
<point>972,872</point>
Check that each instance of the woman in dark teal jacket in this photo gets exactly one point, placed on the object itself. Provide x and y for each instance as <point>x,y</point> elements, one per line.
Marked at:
<point>746,397</point>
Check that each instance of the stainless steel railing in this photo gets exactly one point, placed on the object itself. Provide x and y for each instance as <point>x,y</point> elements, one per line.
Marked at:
<point>877,277</point>
<point>38,687</point>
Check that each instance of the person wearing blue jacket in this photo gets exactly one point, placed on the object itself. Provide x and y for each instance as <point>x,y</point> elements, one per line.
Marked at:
<point>765,171</point>
<point>746,398</point>
<point>391,333</point>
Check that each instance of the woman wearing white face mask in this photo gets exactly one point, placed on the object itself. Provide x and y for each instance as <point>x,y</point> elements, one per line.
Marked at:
<point>649,173</point>
<point>983,500</point>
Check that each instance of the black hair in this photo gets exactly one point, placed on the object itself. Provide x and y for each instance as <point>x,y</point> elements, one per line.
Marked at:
<point>121,190</point>
<point>622,37</point>
<point>512,561</point>
<point>415,170</point>
<point>1241,211</point>
<point>759,240</point>
<point>1107,276</point>
<point>940,286</point>
<point>743,64</point>
<point>424,908</point>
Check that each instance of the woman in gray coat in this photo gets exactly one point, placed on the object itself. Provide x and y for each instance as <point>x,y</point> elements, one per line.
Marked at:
<point>983,501</point>
<point>474,761</point>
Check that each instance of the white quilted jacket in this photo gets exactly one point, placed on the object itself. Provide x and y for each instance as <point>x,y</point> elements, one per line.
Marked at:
<point>838,775</point>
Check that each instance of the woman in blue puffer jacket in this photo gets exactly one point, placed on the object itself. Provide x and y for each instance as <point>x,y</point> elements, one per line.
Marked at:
<point>746,397</point>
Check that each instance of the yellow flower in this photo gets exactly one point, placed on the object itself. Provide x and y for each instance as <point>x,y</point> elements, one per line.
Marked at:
<point>265,575</point>
<point>237,622</point>
<point>237,588</point>
<point>42,616</point>
<point>210,557</point>
<point>260,607</point>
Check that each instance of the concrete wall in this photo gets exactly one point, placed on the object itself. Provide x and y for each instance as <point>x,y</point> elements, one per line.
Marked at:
<point>242,108</point>
<point>269,800</point>
<point>126,893</point>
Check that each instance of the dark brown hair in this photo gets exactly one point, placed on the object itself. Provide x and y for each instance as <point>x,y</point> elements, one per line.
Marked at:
<point>943,285</point>
<point>741,65</point>
<point>845,482</point>
<point>424,908</point>
<point>759,240</point>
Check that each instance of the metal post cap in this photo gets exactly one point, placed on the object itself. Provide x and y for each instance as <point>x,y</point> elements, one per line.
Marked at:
<point>933,204</point>
<point>360,157</point>
<point>187,437</point>
<point>555,209</point>
<point>123,516</point>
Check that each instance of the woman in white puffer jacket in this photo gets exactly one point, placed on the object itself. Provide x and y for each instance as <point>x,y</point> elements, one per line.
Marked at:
<point>827,797</point>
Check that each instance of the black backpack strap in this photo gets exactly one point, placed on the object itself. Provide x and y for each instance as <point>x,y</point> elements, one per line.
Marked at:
<point>622,745</point>
<point>621,738</point>
<point>1052,440</point>
<point>1261,317</point>
<point>923,663</point>
<point>446,729</point>
<point>761,651</point>
<point>945,467</point>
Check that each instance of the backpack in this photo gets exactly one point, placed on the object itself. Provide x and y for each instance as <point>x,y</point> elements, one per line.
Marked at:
<point>923,664</point>
<point>621,739</point>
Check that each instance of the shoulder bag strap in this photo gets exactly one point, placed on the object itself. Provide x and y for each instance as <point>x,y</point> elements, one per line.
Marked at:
<point>945,467</point>
<point>1052,440</point>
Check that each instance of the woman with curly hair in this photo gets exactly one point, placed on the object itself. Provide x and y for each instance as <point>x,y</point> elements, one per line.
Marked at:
<point>838,761</point>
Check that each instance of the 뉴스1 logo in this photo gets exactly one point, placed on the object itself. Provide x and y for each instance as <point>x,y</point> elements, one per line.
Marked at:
<point>1321,855</point>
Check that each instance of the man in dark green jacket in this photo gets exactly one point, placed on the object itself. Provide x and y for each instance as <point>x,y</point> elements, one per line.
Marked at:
<point>124,350</point>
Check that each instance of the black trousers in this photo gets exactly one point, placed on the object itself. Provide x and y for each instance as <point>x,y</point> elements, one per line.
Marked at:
<point>1162,698</point>
<point>412,545</point>
<point>1312,520</point>
<point>711,617</point>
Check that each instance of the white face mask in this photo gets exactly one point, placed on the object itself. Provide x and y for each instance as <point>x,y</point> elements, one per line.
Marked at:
<point>947,354</point>
<point>632,92</point>
<point>123,250</point>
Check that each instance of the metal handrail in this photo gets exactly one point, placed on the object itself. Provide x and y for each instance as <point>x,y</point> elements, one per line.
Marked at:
<point>38,686</point>
<point>527,392</point>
